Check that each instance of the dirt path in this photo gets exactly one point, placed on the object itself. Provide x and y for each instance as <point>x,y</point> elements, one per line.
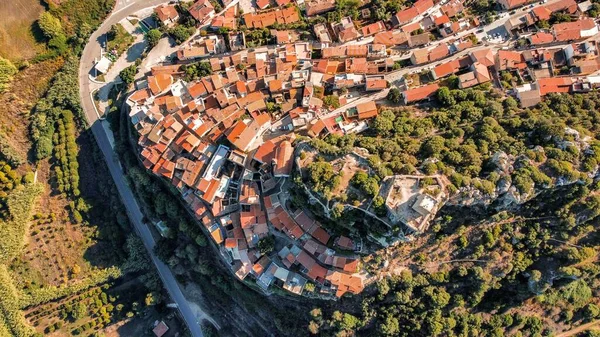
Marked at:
<point>579,329</point>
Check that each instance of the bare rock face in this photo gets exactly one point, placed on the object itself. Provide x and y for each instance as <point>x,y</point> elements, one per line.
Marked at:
<point>502,162</point>
<point>503,185</point>
<point>511,199</point>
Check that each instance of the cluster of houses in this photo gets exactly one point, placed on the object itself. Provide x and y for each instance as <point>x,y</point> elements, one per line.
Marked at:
<point>210,137</point>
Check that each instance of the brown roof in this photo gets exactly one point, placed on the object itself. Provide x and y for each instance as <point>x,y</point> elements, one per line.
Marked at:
<point>588,66</point>
<point>166,12</point>
<point>159,83</point>
<point>572,30</point>
<point>541,38</point>
<point>554,85</point>
<point>530,97</point>
<point>281,16</point>
<point>419,39</point>
<point>390,38</point>
<point>366,110</point>
<point>345,242</point>
<point>420,93</point>
<point>373,28</point>
<point>376,84</point>
<point>283,158</point>
<point>484,56</point>
<point>201,9</point>
<point>446,68</point>
<point>305,260</point>
<point>319,6</point>
<point>320,234</point>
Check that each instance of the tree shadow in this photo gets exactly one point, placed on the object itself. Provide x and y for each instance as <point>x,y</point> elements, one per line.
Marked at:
<point>37,32</point>
<point>135,51</point>
<point>105,214</point>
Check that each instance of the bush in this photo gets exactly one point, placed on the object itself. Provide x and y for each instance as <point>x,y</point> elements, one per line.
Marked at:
<point>128,74</point>
<point>153,36</point>
<point>7,71</point>
<point>8,153</point>
<point>50,26</point>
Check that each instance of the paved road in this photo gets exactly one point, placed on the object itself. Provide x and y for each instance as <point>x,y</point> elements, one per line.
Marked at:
<point>101,133</point>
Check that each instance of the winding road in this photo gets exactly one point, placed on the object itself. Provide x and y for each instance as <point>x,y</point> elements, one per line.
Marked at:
<point>103,136</point>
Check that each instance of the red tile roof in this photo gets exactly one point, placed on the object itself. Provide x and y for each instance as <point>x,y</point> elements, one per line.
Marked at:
<point>541,38</point>
<point>567,31</point>
<point>440,20</point>
<point>281,16</point>
<point>283,159</point>
<point>166,12</point>
<point>420,93</point>
<point>447,68</point>
<point>320,234</point>
<point>484,56</point>
<point>390,38</point>
<point>373,28</point>
<point>366,110</point>
<point>406,15</point>
<point>411,27</point>
<point>554,85</point>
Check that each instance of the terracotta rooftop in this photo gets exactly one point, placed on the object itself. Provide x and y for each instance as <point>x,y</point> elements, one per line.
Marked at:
<point>420,93</point>
<point>262,20</point>
<point>366,110</point>
<point>554,85</point>
<point>484,56</point>
<point>373,28</point>
<point>541,38</point>
<point>166,12</point>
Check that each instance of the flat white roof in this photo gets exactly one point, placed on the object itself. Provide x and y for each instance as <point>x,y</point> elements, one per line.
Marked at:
<point>216,162</point>
<point>103,65</point>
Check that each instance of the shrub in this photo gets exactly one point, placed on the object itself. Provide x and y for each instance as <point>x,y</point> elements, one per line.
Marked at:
<point>7,71</point>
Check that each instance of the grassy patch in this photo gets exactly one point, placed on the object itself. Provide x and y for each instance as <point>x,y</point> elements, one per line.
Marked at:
<point>19,37</point>
<point>119,39</point>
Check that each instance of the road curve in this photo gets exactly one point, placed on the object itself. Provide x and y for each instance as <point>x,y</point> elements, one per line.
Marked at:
<point>101,134</point>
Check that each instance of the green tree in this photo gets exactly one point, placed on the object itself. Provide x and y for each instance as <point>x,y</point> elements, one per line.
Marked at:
<point>322,177</point>
<point>394,95</point>
<point>50,25</point>
<point>181,33</point>
<point>78,311</point>
<point>153,36</point>
<point>331,101</point>
<point>266,245</point>
<point>445,96</point>
<point>128,74</point>
<point>390,327</point>
<point>591,311</point>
